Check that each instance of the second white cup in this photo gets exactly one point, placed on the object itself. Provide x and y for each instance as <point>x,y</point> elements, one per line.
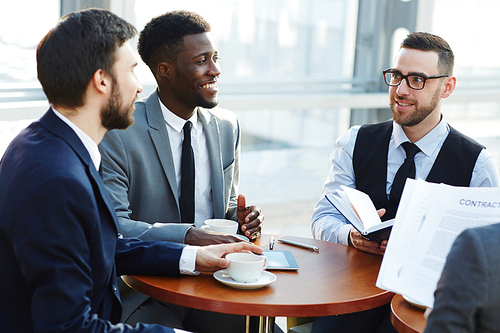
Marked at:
<point>221,225</point>
<point>245,267</point>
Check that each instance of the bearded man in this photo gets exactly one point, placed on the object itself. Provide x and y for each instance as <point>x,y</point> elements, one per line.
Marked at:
<point>368,157</point>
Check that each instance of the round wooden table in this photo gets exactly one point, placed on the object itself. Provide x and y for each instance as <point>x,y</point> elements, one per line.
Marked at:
<point>405,317</point>
<point>336,280</point>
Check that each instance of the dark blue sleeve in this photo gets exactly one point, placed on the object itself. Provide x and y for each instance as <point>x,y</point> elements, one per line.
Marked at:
<point>134,256</point>
<point>58,239</point>
<point>463,287</point>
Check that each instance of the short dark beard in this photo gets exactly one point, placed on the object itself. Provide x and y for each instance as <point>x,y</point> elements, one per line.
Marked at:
<point>205,103</point>
<point>113,115</point>
<point>420,113</point>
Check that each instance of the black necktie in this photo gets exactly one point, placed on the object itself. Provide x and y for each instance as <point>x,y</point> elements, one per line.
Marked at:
<point>186,200</point>
<point>406,170</point>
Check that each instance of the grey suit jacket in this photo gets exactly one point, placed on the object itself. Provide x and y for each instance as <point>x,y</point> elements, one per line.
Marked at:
<point>467,298</point>
<point>139,174</point>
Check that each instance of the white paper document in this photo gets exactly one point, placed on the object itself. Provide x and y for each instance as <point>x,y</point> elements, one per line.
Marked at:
<point>429,218</point>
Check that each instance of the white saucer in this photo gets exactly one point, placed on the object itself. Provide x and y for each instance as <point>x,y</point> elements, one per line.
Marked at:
<point>265,279</point>
<point>414,302</point>
<point>245,238</point>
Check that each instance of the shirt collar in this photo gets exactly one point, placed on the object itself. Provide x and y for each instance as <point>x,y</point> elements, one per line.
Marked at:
<point>89,144</point>
<point>176,122</point>
<point>429,143</point>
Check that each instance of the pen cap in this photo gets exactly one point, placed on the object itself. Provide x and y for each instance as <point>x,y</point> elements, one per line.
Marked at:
<point>271,243</point>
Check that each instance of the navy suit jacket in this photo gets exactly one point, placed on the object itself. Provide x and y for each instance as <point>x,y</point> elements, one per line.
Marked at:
<point>467,298</point>
<point>59,241</point>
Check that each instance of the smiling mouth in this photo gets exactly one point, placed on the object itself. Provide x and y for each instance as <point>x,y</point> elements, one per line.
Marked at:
<point>402,103</point>
<point>210,85</point>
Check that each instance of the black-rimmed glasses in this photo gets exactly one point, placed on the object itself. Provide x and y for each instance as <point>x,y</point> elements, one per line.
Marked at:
<point>394,78</point>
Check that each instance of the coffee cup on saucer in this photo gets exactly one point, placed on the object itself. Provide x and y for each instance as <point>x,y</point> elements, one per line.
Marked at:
<point>245,267</point>
<point>221,225</point>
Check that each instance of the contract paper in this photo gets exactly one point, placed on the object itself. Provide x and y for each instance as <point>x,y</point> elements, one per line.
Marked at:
<point>429,218</point>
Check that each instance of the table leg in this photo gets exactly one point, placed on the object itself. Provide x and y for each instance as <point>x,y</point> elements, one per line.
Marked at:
<point>266,325</point>
<point>270,324</point>
<point>247,324</point>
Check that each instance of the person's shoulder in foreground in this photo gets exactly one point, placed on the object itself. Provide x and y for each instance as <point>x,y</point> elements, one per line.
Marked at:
<point>467,298</point>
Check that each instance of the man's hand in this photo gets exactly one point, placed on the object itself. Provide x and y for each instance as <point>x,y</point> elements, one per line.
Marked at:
<point>211,258</point>
<point>201,237</point>
<point>250,218</point>
<point>361,243</point>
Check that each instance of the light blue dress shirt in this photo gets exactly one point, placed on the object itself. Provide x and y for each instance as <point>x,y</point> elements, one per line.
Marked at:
<point>328,224</point>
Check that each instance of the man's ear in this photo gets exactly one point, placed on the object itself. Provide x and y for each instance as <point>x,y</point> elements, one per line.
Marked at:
<point>164,69</point>
<point>101,81</point>
<point>449,87</point>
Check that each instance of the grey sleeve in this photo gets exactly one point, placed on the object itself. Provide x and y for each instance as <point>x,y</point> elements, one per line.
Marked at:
<point>115,174</point>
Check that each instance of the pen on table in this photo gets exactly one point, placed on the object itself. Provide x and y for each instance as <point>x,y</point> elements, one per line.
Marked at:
<point>271,243</point>
<point>304,246</point>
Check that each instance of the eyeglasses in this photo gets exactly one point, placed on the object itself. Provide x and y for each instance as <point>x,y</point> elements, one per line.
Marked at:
<point>394,78</point>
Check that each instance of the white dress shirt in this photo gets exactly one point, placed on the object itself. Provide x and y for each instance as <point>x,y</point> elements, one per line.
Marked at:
<point>328,224</point>
<point>203,188</point>
<point>187,262</point>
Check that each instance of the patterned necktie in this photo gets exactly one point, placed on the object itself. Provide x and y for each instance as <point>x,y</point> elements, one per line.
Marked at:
<point>406,170</point>
<point>186,199</point>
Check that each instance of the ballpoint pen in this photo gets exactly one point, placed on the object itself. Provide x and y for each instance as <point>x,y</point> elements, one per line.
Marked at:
<point>304,246</point>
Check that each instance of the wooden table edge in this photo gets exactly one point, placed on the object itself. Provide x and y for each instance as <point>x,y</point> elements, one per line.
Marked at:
<point>279,310</point>
<point>399,324</point>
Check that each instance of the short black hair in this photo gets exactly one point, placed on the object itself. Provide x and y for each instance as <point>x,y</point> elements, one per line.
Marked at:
<point>425,41</point>
<point>69,55</point>
<point>162,39</point>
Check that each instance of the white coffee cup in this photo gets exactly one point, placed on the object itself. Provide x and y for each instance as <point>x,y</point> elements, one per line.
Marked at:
<point>245,267</point>
<point>221,225</point>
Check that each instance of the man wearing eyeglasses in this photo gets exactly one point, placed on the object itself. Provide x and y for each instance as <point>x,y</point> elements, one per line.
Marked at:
<point>369,157</point>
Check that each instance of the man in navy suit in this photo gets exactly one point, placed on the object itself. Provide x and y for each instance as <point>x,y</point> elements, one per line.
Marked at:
<point>60,253</point>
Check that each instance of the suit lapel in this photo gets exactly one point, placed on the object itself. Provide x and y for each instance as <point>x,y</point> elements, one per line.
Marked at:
<point>159,136</point>
<point>104,193</point>
<point>55,125</point>
<point>211,128</point>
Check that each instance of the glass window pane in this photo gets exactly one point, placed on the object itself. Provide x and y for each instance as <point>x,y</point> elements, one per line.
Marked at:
<point>22,26</point>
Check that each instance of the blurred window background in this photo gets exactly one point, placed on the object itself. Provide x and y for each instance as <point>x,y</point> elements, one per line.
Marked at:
<point>297,73</point>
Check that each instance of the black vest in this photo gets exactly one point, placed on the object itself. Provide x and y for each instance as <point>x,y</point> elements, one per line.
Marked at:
<point>453,166</point>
